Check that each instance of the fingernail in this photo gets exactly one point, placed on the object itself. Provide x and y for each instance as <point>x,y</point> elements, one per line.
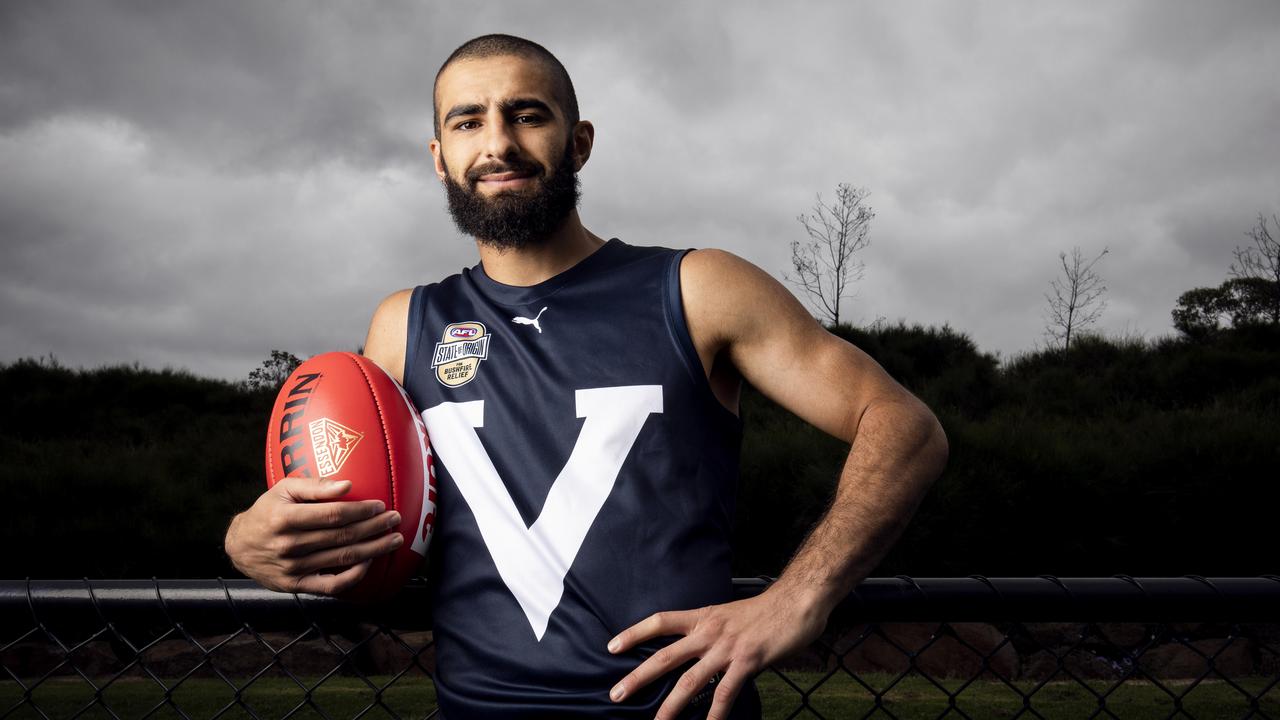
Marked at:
<point>397,540</point>
<point>393,519</point>
<point>616,693</point>
<point>379,505</point>
<point>614,645</point>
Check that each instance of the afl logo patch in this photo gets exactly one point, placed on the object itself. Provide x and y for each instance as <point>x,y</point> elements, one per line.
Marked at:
<point>458,354</point>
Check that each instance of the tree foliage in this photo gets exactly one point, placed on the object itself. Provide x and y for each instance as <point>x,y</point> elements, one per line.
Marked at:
<point>825,266</point>
<point>1249,296</point>
<point>1199,312</point>
<point>1075,297</point>
<point>1202,312</point>
<point>1116,456</point>
<point>273,371</point>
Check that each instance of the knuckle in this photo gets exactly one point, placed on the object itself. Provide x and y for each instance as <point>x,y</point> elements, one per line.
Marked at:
<point>275,523</point>
<point>348,556</point>
<point>333,515</point>
<point>751,655</point>
<point>344,536</point>
<point>651,625</point>
<point>689,682</point>
<point>284,545</point>
<point>724,694</point>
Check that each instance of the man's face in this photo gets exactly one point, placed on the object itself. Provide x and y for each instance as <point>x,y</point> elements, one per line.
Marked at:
<point>505,154</point>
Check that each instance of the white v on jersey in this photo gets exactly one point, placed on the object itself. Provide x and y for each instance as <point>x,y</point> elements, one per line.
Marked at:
<point>586,479</point>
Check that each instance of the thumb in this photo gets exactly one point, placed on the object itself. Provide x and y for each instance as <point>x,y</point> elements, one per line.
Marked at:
<point>302,489</point>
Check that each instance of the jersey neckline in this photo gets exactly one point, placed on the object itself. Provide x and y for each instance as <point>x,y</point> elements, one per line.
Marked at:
<point>523,295</point>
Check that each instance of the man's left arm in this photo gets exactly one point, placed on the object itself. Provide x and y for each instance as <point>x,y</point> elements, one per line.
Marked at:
<point>738,313</point>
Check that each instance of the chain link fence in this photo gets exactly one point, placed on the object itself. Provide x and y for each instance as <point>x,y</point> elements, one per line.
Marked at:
<point>900,647</point>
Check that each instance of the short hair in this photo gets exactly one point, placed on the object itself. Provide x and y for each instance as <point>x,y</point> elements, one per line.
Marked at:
<point>498,44</point>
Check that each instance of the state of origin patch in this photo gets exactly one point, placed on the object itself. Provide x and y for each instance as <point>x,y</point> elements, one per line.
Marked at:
<point>459,353</point>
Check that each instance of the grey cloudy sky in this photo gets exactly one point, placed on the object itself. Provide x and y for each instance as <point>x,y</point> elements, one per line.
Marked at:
<point>193,184</point>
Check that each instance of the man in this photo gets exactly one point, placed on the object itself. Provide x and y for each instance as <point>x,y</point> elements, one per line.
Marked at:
<point>587,438</point>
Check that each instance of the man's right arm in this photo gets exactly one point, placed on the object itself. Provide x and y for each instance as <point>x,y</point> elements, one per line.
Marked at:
<point>389,334</point>
<point>300,536</point>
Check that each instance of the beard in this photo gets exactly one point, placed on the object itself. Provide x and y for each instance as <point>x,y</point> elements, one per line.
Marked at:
<point>516,219</point>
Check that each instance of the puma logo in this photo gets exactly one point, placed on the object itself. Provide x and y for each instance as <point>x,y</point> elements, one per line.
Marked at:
<point>530,321</point>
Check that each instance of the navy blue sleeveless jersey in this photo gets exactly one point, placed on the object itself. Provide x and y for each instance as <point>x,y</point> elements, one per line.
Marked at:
<point>586,478</point>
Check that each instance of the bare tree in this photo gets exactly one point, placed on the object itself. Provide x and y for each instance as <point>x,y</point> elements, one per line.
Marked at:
<point>1075,297</point>
<point>1261,262</point>
<point>825,266</point>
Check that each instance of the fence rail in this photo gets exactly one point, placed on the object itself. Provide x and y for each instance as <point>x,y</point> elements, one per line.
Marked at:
<point>1188,647</point>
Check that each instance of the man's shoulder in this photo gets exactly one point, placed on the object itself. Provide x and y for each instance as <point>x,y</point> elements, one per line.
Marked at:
<point>711,261</point>
<point>726,297</point>
<point>722,281</point>
<point>388,332</point>
<point>395,304</point>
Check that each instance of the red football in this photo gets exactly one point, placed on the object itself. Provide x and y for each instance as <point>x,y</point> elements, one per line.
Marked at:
<point>341,416</point>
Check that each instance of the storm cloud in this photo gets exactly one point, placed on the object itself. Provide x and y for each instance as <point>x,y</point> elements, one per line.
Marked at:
<point>194,184</point>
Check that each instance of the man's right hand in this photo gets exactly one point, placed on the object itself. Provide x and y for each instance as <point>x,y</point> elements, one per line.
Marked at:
<point>298,532</point>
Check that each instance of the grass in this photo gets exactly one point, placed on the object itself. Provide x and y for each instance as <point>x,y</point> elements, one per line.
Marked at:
<point>839,697</point>
<point>915,697</point>
<point>337,697</point>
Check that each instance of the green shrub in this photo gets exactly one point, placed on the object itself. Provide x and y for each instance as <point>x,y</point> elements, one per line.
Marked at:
<point>1119,456</point>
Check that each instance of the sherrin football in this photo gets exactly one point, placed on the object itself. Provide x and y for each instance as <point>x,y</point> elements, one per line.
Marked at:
<point>341,416</point>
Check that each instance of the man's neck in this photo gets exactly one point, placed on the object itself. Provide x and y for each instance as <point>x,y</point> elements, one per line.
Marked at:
<point>570,243</point>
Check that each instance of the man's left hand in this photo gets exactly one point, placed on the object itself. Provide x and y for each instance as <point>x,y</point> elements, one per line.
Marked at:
<point>737,639</point>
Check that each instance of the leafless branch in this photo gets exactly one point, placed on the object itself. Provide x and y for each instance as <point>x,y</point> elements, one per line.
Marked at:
<point>1262,261</point>
<point>825,266</point>
<point>1075,297</point>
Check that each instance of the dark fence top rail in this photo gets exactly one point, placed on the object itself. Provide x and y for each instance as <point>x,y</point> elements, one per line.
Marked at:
<point>217,605</point>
